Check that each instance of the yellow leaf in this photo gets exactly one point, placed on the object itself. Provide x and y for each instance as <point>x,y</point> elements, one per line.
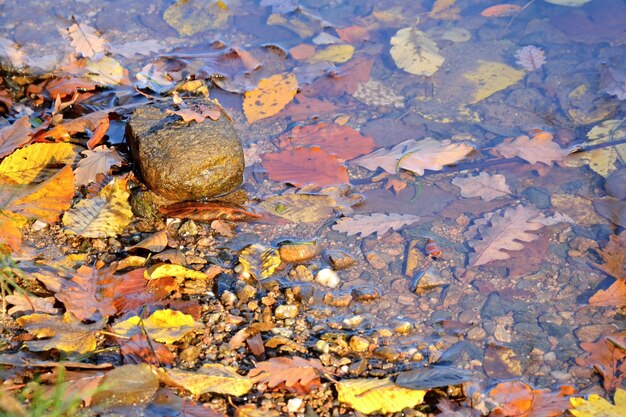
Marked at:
<point>171,270</point>
<point>107,214</point>
<point>334,53</point>
<point>127,385</point>
<point>377,395</point>
<point>271,96</point>
<point>415,53</point>
<point>30,164</point>
<point>106,72</point>
<point>190,17</point>
<point>491,77</point>
<point>211,377</point>
<point>64,333</point>
<point>258,261</point>
<point>603,160</point>
<point>597,406</point>
<point>165,326</point>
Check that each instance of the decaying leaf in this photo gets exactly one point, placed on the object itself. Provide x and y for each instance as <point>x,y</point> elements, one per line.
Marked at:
<point>377,395</point>
<point>501,362</point>
<point>127,385</point>
<point>539,148</point>
<point>166,326</point>
<point>415,52</point>
<point>86,41</point>
<point>484,185</point>
<point>369,224</point>
<point>304,166</point>
<point>596,406</point>
<point>100,160</point>
<point>603,160</point>
<point>210,377</point>
<point>501,230</point>
<point>491,77</point>
<point>107,214</point>
<point>287,372</point>
<point>209,211</point>
<point>269,97</point>
<point>518,399</point>
<point>307,208</point>
<point>170,270</point>
<point>445,10</point>
<point>530,57</point>
<point>14,136</point>
<point>64,333</point>
<point>433,155</point>
<point>36,162</point>
<point>258,261</point>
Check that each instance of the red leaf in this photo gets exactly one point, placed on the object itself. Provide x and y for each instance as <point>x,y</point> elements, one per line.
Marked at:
<point>342,141</point>
<point>138,349</point>
<point>304,166</point>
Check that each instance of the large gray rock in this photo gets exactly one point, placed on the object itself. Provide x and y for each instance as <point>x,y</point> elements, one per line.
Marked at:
<point>185,160</point>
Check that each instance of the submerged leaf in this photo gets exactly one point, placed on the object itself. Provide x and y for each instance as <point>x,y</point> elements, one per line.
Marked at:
<point>415,52</point>
<point>86,41</point>
<point>432,377</point>
<point>484,185</point>
<point>530,57</point>
<point>539,148</point>
<point>269,97</point>
<point>304,166</point>
<point>491,77</point>
<point>258,261</point>
<point>596,406</point>
<point>373,223</point>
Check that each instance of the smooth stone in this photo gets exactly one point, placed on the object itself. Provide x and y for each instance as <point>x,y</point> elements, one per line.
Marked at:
<point>182,161</point>
<point>338,259</point>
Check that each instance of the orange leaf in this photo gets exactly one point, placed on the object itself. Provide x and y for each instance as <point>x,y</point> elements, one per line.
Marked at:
<point>302,51</point>
<point>188,115</point>
<point>138,349</point>
<point>501,10</point>
<point>208,211</point>
<point>270,97</point>
<point>607,358</point>
<point>99,133</point>
<point>342,141</point>
<point>519,399</point>
<point>614,256</point>
<point>292,372</point>
<point>345,80</point>
<point>353,34</point>
<point>615,295</point>
<point>14,136</point>
<point>10,235</point>
<point>67,86</point>
<point>304,166</point>
<point>134,291</point>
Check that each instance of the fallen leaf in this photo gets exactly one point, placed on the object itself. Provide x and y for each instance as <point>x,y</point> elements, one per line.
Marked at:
<point>11,237</point>
<point>156,242</point>
<point>269,97</point>
<point>126,386</point>
<point>139,349</point>
<point>501,230</point>
<point>444,10</point>
<point>22,303</point>
<point>304,166</point>
<point>614,296</point>
<point>14,136</point>
<point>612,82</point>
<point>484,185</point>
<point>353,34</point>
<point>603,160</point>
<point>165,326</point>
<point>500,362</point>
<point>433,155</point>
<point>611,209</point>
<point>530,57</point>
<point>415,52</point>
<point>209,211</point>
<point>134,291</point>
<point>191,17</point>
<point>287,372</point>
<point>210,377</point>
<point>68,86</point>
<point>133,48</point>
<point>377,395</point>
<point>607,358</point>
<point>107,72</point>
<point>518,399</point>
<point>64,333</point>
<point>501,10</point>
<point>342,141</point>
<point>169,270</point>
<point>614,256</point>
<point>36,163</point>
<point>489,78</point>
<point>100,160</point>
<point>333,53</point>
<point>107,214</point>
<point>432,377</point>
<point>384,158</point>
<point>373,223</point>
<point>259,261</point>
<point>539,148</point>
<point>86,41</point>
<point>596,406</point>
<point>306,208</point>
<point>98,135</point>
<point>302,51</point>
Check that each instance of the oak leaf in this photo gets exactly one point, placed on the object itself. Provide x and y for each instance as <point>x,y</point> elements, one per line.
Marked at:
<point>484,185</point>
<point>373,223</point>
<point>14,136</point>
<point>100,160</point>
<point>166,326</point>
<point>296,373</point>
<point>530,57</point>
<point>306,208</point>
<point>518,399</point>
<point>269,97</point>
<point>304,166</point>
<point>377,395</point>
<point>86,41</point>
<point>433,155</point>
<point>210,377</point>
<point>539,148</point>
<point>22,303</point>
<point>607,358</point>
<point>614,256</point>
<point>502,230</point>
<point>342,141</point>
<point>596,406</point>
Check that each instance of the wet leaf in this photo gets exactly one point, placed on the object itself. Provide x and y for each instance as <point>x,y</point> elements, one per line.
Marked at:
<point>36,162</point>
<point>269,97</point>
<point>190,17</point>
<point>615,184</point>
<point>258,261</point>
<point>86,41</point>
<point>539,148</point>
<point>570,3</point>
<point>342,141</point>
<point>14,136</point>
<point>22,303</point>
<point>432,377</point>
<point>353,34</point>
<point>502,230</point>
<point>614,256</point>
<point>169,270</point>
<point>206,212</point>
<point>607,358</point>
<point>98,161</point>
<point>306,208</point>
<point>612,209</point>
<point>333,53</point>
<point>500,362</point>
<point>606,159</point>
<point>384,158</point>
<point>415,53</point>
<point>107,214</point>
<point>210,377</point>
<point>107,72</point>
<point>304,166</point>
<point>251,410</point>
<point>444,10</point>
<point>491,77</point>
<point>530,57</point>
<point>64,333</point>
<point>156,242</point>
<point>287,372</point>
<point>377,395</point>
<point>614,296</point>
<point>126,385</point>
<point>596,406</point>
<point>501,10</point>
<point>484,185</point>
<point>139,349</point>
<point>165,326</point>
<point>198,116</point>
<point>516,398</point>
<point>433,155</point>
<point>373,223</point>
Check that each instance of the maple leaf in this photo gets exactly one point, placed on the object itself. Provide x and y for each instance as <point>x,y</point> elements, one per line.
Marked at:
<point>14,136</point>
<point>86,41</point>
<point>373,223</point>
<point>269,97</point>
<point>502,230</point>
<point>539,148</point>
<point>516,398</point>
<point>304,166</point>
<point>596,406</point>
<point>64,333</point>
<point>100,160</point>
<point>342,141</point>
<point>606,357</point>
<point>484,185</point>
<point>293,373</point>
<point>530,57</point>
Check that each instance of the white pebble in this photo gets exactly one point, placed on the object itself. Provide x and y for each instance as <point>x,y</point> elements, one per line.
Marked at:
<point>293,405</point>
<point>328,277</point>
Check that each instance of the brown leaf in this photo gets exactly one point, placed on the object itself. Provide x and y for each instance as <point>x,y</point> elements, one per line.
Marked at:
<point>342,141</point>
<point>518,399</point>
<point>614,296</point>
<point>23,303</point>
<point>539,148</point>
<point>188,115</point>
<point>614,257</point>
<point>500,362</point>
<point>67,86</point>
<point>209,211</point>
<point>98,134</point>
<point>530,57</point>
<point>304,106</point>
<point>353,34</point>
<point>378,223</point>
<point>86,41</point>
<point>345,80</point>
<point>153,243</point>
<point>138,349</point>
<point>304,166</point>
<point>100,160</point>
<point>484,185</point>
<point>14,136</point>
<point>292,373</point>
<point>607,358</point>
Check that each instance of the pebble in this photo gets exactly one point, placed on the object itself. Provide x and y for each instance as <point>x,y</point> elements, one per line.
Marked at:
<point>294,404</point>
<point>476,333</point>
<point>359,344</point>
<point>375,260</point>
<point>338,299</point>
<point>298,251</point>
<point>286,311</point>
<point>191,353</point>
<point>403,327</point>
<point>365,293</point>
<point>328,278</point>
<point>301,273</point>
<point>426,281</point>
<point>389,353</point>
<point>322,346</point>
<point>501,334</point>
<point>338,259</point>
